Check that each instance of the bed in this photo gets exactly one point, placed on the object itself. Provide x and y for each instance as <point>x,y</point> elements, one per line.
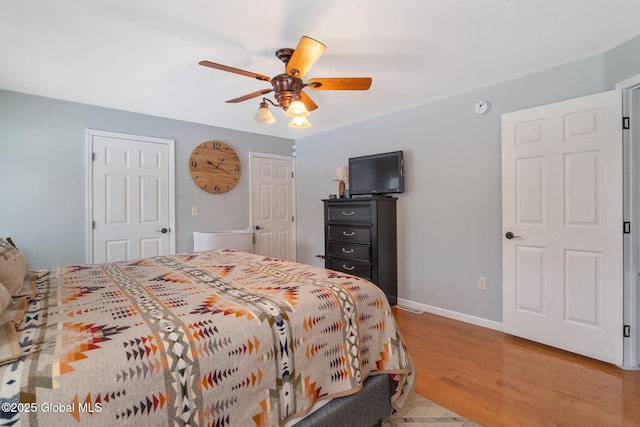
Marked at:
<point>219,337</point>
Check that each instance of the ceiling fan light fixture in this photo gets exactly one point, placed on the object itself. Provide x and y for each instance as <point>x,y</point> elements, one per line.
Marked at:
<point>263,115</point>
<point>297,109</point>
<point>299,122</point>
<point>288,86</point>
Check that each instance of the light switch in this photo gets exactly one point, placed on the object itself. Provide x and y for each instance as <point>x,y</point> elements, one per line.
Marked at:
<point>195,211</point>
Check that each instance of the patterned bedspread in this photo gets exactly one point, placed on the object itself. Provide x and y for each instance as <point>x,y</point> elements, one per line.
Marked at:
<point>217,338</point>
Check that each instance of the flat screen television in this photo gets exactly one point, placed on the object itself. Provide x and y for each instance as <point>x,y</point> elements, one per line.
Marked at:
<point>376,174</point>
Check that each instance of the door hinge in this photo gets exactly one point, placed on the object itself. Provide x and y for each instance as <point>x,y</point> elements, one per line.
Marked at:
<point>93,225</point>
<point>291,174</point>
<point>626,227</point>
<point>93,157</point>
<point>625,123</point>
<point>626,331</point>
<point>292,219</point>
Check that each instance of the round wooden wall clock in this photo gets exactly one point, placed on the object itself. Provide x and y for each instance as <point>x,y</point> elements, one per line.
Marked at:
<point>214,167</point>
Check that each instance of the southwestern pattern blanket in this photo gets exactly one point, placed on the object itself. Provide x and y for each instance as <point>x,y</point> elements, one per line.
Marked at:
<point>219,338</point>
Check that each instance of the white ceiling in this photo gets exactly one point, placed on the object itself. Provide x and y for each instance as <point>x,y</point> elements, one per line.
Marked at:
<point>142,55</point>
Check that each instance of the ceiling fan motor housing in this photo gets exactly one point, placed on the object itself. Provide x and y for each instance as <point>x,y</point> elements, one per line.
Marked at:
<point>286,88</point>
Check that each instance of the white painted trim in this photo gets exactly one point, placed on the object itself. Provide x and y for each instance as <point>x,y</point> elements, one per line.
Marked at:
<point>88,179</point>
<point>630,89</point>
<point>630,83</point>
<point>478,321</point>
<point>89,135</point>
<point>253,154</point>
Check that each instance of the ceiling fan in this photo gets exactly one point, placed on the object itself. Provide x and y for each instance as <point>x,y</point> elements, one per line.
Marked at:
<point>288,87</point>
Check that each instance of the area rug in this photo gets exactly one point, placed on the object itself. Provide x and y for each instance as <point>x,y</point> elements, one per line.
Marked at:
<point>421,412</point>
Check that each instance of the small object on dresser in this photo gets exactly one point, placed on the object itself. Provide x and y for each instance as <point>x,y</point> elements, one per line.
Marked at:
<point>341,174</point>
<point>332,196</point>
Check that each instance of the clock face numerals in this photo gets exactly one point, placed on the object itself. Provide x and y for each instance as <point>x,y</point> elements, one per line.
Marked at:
<point>215,167</point>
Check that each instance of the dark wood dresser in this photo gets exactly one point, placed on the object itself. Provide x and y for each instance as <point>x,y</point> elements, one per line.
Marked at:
<point>360,238</point>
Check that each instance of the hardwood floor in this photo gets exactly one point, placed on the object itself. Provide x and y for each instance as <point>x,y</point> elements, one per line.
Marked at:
<point>496,379</point>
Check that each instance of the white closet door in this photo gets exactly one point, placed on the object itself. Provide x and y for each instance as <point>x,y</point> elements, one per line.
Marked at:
<point>132,200</point>
<point>272,205</point>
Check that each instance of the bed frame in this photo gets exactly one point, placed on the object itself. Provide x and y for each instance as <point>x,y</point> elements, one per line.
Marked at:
<point>367,408</point>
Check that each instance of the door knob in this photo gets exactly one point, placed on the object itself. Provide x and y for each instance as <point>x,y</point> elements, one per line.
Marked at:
<point>509,235</point>
<point>258,227</point>
<point>163,230</point>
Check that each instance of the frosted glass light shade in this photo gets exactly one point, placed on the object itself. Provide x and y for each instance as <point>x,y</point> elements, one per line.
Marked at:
<point>297,109</point>
<point>299,123</point>
<point>264,116</point>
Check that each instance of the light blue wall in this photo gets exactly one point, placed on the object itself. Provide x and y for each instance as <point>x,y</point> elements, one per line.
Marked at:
<point>622,62</point>
<point>449,218</point>
<point>42,174</point>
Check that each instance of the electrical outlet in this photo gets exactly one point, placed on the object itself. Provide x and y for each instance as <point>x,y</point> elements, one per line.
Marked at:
<point>482,283</point>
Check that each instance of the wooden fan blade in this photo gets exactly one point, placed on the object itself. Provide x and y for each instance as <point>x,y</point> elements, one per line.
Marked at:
<point>234,70</point>
<point>249,96</point>
<point>308,102</point>
<point>340,83</point>
<point>304,56</point>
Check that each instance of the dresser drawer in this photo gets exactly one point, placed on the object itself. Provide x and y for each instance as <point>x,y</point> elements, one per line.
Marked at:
<point>355,268</point>
<point>349,250</point>
<point>347,233</point>
<point>350,213</point>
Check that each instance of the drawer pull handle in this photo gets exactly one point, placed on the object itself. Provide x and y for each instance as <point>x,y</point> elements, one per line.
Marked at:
<point>344,233</point>
<point>348,213</point>
<point>348,268</point>
<point>347,251</point>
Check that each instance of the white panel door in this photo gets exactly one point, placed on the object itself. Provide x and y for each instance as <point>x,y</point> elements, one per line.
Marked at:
<point>131,195</point>
<point>272,205</point>
<point>562,204</point>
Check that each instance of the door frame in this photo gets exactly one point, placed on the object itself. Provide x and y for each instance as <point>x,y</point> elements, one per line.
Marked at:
<point>89,144</point>
<point>252,156</point>
<point>631,212</point>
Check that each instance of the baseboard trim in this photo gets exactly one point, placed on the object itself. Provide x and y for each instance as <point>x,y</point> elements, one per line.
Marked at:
<point>411,309</point>
<point>474,320</point>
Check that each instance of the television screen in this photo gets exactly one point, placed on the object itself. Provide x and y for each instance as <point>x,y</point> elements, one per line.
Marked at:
<point>376,174</point>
